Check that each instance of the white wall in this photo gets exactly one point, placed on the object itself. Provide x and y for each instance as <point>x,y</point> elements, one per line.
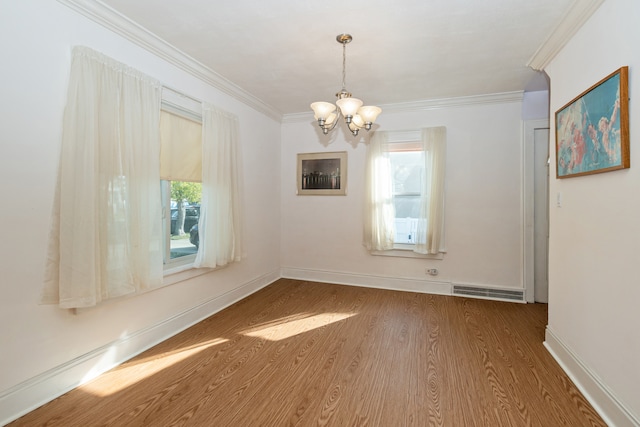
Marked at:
<point>535,105</point>
<point>36,38</point>
<point>322,235</point>
<point>594,287</point>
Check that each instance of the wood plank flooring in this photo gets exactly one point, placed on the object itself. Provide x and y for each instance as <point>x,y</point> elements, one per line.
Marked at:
<point>311,354</point>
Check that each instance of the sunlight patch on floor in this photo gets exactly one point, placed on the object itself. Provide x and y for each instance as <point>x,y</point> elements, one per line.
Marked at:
<point>287,328</point>
<point>129,374</point>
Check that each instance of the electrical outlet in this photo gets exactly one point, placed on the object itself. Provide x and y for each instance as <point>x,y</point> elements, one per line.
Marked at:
<point>432,271</point>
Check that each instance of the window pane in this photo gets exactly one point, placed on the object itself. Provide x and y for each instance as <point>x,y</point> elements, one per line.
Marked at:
<point>181,227</point>
<point>185,243</point>
<point>407,169</point>
<point>406,230</point>
<point>407,206</point>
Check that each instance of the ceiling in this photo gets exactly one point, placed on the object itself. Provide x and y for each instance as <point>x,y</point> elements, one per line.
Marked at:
<point>285,53</point>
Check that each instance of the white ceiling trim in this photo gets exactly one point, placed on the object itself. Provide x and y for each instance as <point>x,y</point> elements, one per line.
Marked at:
<point>579,12</point>
<point>431,104</point>
<point>119,24</point>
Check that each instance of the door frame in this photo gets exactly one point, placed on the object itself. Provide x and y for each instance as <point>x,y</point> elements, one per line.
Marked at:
<point>529,129</point>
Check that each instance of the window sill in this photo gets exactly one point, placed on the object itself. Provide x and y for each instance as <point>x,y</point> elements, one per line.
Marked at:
<point>181,273</point>
<point>180,269</point>
<point>406,251</point>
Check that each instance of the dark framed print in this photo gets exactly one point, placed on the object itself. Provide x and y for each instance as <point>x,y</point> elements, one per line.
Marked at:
<point>322,174</point>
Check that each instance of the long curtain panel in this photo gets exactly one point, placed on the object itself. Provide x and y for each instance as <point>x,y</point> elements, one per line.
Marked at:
<point>430,230</point>
<point>379,212</point>
<point>106,238</point>
<point>220,225</point>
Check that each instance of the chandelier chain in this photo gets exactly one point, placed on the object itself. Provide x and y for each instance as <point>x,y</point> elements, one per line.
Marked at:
<point>344,66</point>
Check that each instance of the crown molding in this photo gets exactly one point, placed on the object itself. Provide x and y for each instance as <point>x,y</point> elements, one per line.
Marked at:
<point>123,26</point>
<point>460,101</point>
<point>575,17</point>
<point>429,104</point>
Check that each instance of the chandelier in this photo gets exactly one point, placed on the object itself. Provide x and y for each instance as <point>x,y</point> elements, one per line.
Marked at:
<point>355,114</point>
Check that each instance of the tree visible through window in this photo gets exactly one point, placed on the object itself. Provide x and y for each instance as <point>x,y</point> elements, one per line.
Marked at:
<point>181,226</point>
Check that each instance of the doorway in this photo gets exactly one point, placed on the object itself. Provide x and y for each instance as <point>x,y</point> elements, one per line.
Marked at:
<point>541,215</point>
<point>536,210</point>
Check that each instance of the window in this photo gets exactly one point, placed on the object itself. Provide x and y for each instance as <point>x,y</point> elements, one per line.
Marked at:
<point>108,236</point>
<point>407,174</point>
<point>404,203</point>
<point>181,185</point>
<point>189,140</point>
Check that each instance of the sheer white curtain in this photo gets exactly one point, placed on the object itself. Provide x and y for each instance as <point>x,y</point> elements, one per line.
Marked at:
<point>379,213</point>
<point>106,232</point>
<point>430,231</point>
<point>220,210</point>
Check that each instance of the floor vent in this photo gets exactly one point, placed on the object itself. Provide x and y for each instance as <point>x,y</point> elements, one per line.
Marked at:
<point>500,294</point>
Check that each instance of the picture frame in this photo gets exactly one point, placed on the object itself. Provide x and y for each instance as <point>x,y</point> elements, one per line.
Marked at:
<point>592,130</point>
<point>322,174</point>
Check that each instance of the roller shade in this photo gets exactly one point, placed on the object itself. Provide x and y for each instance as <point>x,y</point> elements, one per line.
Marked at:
<point>180,149</point>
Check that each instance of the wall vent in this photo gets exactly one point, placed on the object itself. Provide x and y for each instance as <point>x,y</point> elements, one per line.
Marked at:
<point>499,294</point>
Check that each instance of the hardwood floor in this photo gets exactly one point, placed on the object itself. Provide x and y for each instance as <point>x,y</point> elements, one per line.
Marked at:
<point>302,353</point>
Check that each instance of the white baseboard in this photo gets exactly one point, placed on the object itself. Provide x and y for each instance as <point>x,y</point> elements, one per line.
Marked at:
<point>35,392</point>
<point>369,281</point>
<point>600,397</point>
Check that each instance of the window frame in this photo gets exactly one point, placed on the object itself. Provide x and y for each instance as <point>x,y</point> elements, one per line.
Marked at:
<point>400,147</point>
<point>180,268</point>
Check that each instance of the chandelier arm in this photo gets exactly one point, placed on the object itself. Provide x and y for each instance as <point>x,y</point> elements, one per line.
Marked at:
<point>326,130</point>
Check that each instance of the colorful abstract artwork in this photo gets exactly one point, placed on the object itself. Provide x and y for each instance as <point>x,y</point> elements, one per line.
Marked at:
<point>592,131</point>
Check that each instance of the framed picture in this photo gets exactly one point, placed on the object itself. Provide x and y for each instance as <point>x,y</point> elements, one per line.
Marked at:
<point>322,174</point>
<point>592,131</point>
